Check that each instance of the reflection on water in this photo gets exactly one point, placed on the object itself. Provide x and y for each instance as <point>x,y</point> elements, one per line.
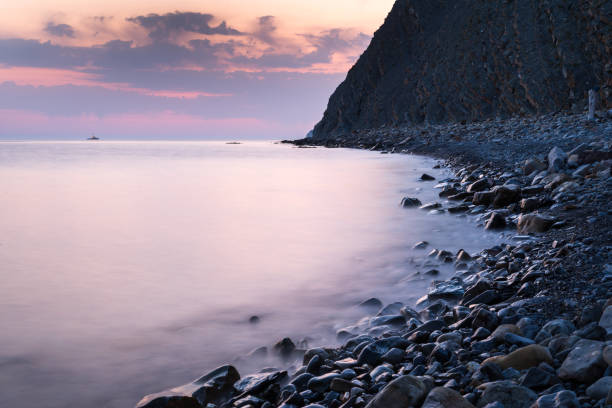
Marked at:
<point>128,267</point>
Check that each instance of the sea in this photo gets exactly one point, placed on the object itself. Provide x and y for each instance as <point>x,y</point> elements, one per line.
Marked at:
<point>130,267</point>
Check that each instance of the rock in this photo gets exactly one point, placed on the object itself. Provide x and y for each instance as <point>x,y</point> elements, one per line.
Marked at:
<point>584,363</point>
<point>599,389</point>
<point>532,165</point>
<point>537,379</point>
<point>530,204</point>
<point>427,177</point>
<point>607,355</point>
<point>255,383</point>
<point>403,392</point>
<point>371,304</point>
<point>284,347</point>
<point>341,385</point>
<point>495,221</point>
<point>254,319</point>
<point>215,387</point>
<point>483,198</point>
<point>505,195</point>
<point>322,382</point>
<point>408,202</point>
<point>531,223</point>
<point>389,320</point>
<point>163,400</point>
<point>485,318</point>
<point>394,356</point>
<point>450,289</point>
<point>479,185</point>
<point>606,320</point>
<point>523,358</point>
<point>442,397</point>
<point>500,332</point>
<point>508,393</point>
<point>559,326</point>
<point>421,245</point>
<point>561,399</point>
<point>556,159</point>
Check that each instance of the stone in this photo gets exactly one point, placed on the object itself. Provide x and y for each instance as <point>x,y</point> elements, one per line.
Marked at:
<point>532,165</point>
<point>523,358</point>
<point>506,195</point>
<point>500,332</point>
<point>530,204</point>
<point>442,397</point>
<point>560,399</point>
<point>404,392</point>
<point>421,245</point>
<point>215,387</point>
<point>584,363</point>
<point>556,159</point>
<point>163,400</point>
<point>607,355</point>
<point>408,202</point>
<point>322,382</point>
<point>483,198</point>
<point>479,185</point>
<point>537,379</point>
<point>427,177</point>
<point>495,221</point>
<point>559,326</point>
<point>606,320</point>
<point>284,347</point>
<point>508,393</point>
<point>600,388</point>
<point>371,304</point>
<point>341,385</point>
<point>485,318</point>
<point>532,223</point>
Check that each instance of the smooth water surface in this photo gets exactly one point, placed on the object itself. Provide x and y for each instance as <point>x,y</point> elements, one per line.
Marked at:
<point>130,267</point>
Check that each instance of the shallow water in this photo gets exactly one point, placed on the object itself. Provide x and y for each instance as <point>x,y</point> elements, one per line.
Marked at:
<point>130,267</point>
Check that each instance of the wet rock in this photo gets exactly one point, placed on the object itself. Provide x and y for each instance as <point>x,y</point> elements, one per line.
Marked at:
<point>556,159</point>
<point>532,223</point>
<point>479,185</point>
<point>495,221</point>
<point>254,319</point>
<point>403,392</point>
<point>322,382</point>
<point>284,347</point>
<point>163,400</point>
<point>394,356</point>
<point>537,379</point>
<point>371,304</point>
<point>607,355</point>
<point>483,198</point>
<point>258,383</point>
<point>430,206</point>
<point>485,318</point>
<point>508,393</point>
<point>591,331</point>
<point>341,385</point>
<point>442,397</point>
<point>523,358</point>
<point>458,209</point>
<point>450,289</point>
<point>599,389</point>
<point>390,320</point>
<point>500,332</point>
<point>533,165</point>
<point>427,177</point>
<point>530,204</point>
<point>505,195</point>
<point>421,245</point>
<point>584,363</point>
<point>215,387</point>
<point>606,320</point>
<point>408,202</point>
<point>560,399</point>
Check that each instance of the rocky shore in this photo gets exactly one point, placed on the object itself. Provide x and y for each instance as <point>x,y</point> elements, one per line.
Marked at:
<point>523,324</point>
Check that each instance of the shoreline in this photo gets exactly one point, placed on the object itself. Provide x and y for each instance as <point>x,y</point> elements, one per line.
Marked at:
<point>523,324</point>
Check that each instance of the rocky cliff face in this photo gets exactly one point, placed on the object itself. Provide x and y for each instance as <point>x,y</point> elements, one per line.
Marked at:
<point>454,60</point>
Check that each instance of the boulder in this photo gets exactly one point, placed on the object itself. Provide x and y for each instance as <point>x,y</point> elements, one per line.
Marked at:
<point>532,165</point>
<point>606,320</point>
<point>530,204</point>
<point>215,387</point>
<point>427,177</point>
<point>561,399</point>
<point>479,185</point>
<point>556,159</point>
<point>600,388</point>
<point>508,393</point>
<point>607,355</point>
<point>284,347</point>
<point>532,223</point>
<point>408,202</point>
<point>523,358</point>
<point>495,221</point>
<point>500,332</point>
<point>483,198</point>
<point>442,397</point>
<point>404,392</point>
<point>584,363</point>
<point>506,195</point>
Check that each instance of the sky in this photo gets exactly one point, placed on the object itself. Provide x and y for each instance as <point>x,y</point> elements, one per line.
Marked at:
<point>176,70</point>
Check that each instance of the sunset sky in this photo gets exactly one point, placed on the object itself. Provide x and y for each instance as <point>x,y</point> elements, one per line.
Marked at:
<point>176,69</point>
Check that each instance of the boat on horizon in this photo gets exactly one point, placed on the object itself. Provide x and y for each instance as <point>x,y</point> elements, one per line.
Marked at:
<point>93,137</point>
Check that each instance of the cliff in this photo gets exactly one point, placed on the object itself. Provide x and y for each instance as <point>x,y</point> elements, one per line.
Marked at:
<point>464,60</point>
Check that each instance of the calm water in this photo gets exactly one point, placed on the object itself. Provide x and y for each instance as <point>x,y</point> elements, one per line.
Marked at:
<point>131,267</point>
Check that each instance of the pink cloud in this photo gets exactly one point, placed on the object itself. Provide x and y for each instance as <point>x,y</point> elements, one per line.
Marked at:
<point>34,76</point>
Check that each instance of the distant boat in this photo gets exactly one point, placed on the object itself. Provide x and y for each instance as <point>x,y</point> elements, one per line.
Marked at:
<point>93,137</point>
<point>233,143</point>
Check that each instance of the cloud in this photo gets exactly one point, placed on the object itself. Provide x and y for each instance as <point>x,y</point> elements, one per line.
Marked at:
<point>59,30</point>
<point>166,26</point>
<point>265,30</point>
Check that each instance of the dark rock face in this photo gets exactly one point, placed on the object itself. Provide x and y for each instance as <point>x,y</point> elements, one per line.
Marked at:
<point>441,60</point>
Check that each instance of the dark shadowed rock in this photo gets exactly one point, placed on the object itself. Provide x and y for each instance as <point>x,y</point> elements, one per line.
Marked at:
<point>560,399</point>
<point>556,159</point>
<point>403,392</point>
<point>427,177</point>
<point>442,397</point>
<point>508,393</point>
<point>495,221</point>
<point>584,363</point>
<point>531,223</point>
<point>408,202</point>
